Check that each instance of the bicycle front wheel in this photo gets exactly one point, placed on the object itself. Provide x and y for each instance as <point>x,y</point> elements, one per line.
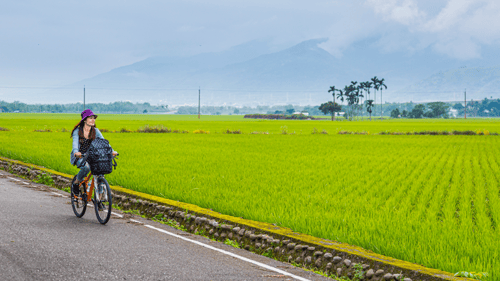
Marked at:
<point>78,202</point>
<point>102,201</point>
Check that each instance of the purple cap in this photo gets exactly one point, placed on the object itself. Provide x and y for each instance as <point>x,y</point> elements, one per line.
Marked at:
<point>86,113</point>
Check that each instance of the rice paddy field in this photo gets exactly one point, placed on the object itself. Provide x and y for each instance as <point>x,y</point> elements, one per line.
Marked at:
<point>431,200</point>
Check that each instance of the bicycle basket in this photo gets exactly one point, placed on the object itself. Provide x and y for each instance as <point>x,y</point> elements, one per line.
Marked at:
<point>100,157</point>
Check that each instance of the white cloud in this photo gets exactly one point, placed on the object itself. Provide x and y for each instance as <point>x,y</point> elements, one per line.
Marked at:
<point>66,41</point>
<point>402,11</point>
<point>450,16</point>
<point>458,30</point>
<point>484,23</point>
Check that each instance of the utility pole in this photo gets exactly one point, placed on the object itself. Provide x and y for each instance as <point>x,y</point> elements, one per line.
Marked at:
<point>465,107</point>
<point>199,99</point>
<point>83,97</point>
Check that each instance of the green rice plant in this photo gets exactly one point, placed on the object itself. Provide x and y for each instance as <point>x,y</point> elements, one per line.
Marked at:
<point>427,199</point>
<point>154,129</point>
<point>284,130</point>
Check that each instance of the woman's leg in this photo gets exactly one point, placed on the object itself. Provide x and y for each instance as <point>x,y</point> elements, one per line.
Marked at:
<point>80,176</point>
<point>83,171</point>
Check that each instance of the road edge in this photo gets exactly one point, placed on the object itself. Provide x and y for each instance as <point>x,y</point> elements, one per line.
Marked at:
<point>330,257</point>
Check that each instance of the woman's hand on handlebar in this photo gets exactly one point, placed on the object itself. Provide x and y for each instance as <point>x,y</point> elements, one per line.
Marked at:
<point>78,155</point>
<point>115,153</point>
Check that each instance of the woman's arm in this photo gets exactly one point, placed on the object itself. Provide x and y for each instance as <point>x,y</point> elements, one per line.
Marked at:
<point>75,141</point>
<point>98,134</point>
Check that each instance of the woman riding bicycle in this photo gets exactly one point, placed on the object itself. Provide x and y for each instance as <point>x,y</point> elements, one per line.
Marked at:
<point>83,134</point>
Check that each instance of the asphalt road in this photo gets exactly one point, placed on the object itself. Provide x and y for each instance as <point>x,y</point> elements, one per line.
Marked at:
<point>41,239</point>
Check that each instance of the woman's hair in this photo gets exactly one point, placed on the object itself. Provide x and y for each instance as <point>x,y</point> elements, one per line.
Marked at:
<point>80,131</point>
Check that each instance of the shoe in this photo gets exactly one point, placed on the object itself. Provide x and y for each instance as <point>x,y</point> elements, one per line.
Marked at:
<point>100,206</point>
<point>76,189</point>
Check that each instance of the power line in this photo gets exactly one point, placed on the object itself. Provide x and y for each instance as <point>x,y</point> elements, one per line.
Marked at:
<point>167,89</point>
<point>228,90</point>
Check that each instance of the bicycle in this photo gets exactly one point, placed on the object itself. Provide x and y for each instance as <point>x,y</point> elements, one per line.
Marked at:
<point>102,198</point>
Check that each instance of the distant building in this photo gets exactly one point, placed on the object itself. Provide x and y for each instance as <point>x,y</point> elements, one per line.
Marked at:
<point>453,112</point>
<point>303,113</point>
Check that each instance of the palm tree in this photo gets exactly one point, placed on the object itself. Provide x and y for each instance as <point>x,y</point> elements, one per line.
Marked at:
<point>354,90</point>
<point>381,85</point>
<point>360,96</point>
<point>340,95</point>
<point>333,90</point>
<point>366,86</point>
<point>375,87</point>
<point>351,94</point>
<point>369,105</point>
<point>344,95</point>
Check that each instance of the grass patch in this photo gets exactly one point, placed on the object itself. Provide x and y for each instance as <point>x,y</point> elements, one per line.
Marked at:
<point>232,243</point>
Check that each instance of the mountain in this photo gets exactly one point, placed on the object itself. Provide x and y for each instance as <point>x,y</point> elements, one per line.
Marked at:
<point>159,72</point>
<point>250,74</point>
<point>240,75</point>
<point>479,82</point>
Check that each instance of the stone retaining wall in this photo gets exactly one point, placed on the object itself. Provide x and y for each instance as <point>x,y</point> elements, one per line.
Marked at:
<point>328,256</point>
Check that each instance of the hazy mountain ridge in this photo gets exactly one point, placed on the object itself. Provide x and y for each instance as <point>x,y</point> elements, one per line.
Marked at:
<point>251,74</point>
<point>232,76</point>
<point>480,82</point>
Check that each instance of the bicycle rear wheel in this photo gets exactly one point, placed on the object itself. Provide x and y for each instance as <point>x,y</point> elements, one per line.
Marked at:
<point>102,201</point>
<point>78,202</point>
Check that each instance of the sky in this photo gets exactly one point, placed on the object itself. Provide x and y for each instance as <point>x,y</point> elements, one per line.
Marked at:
<point>55,43</point>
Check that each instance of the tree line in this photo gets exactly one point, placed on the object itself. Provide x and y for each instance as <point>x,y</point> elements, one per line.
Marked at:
<point>353,94</point>
<point>115,107</point>
<point>355,103</point>
<point>138,108</point>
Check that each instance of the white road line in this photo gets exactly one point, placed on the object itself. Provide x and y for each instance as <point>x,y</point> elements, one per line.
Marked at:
<point>115,214</point>
<point>228,253</point>
<point>26,183</point>
<point>118,215</point>
<point>132,220</point>
<point>204,245</point>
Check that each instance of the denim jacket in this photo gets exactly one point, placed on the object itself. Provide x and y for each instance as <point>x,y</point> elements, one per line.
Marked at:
<point>76,143</point>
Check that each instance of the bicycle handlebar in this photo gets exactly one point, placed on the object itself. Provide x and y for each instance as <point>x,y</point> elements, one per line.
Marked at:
<point>84,156</point>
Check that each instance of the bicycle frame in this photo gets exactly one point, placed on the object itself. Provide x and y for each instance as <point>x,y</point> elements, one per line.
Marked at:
<point>88,189</point>
<point>96,191</point>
